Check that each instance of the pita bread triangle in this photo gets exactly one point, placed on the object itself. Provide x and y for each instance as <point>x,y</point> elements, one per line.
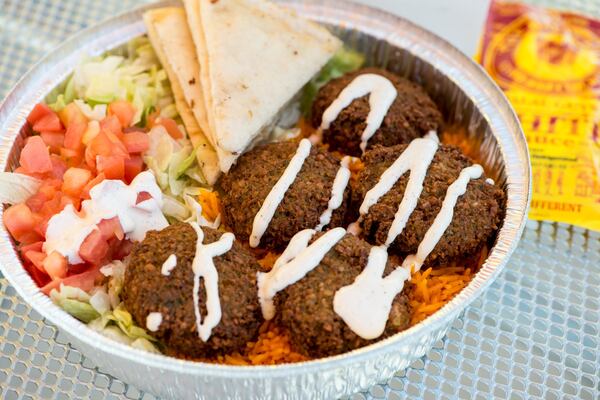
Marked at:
<point>171,40</point>
<point>254,57</point>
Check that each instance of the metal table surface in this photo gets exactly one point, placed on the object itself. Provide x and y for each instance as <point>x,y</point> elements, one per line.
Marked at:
<point>535,333</point>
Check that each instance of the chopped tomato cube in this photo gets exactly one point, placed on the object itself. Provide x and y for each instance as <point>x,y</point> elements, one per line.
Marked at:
<point>40,278</point>
<point>73,158</point>
<point>122,250</point>
<point>94,248</point>
<point>113,167</point>
<point>86,190</point>
<point>56,265</point>
<point>171,127</point>
<point>74,135</point>
<point>84,281</point>
<point>54,140</point>
<point>92,130</point>
<point>74,180</point>
<point>111,228</point>
<point>111,124</point>
<point>20,221</point>
<point>71,114</point>
<point>37,246</point>
<point>59,166</point>
<point>39,111</point>
<point>35,156</point>
<point>136,142</point>
<point>37,259</point>
<point>48,123</point>
<point>142,196</point>
<point>133,167</point>
<point>123,110</point>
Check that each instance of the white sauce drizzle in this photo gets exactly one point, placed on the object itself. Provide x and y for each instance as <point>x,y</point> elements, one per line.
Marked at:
<point>444,217</point>
<point>416,158</point>
<point>168,265</point>
<point>297,260</point>
<point>365,304</point>
<point>337,193</point>
<point>111,198</point>
<point>153,321</point>
<point>490,181</point>
<point>204,267</point>
<point>382,94</point>
<point>271,202</point>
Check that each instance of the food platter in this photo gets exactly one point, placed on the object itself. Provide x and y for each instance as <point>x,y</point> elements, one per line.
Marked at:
<point>478,103</point>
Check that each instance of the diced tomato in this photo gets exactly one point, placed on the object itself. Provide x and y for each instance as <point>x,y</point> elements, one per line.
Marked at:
<point>54,140</point>
<point>112,124</point>
<point>75,201</point>
<point>35,156</point>
<point>74,135</point>
<point>48,123</point>
<point>133,167</point>
<point>107,144</point>
<point>20,221</point>
<point>118,146</point>
<point>90,158</point>
<point>122,250</point>
<point>136,142</point>
<point>86,190</point>
<point>113,167</point>
<point>111,228</point>
<point>37,246</point>
<point>74,180</point>
<point>171,127</point>
<point>59,166</point>
<point>55,265</point>
<point>94,248</point>
<point>123,110</point>
<point>73,158</point>
<point>40,278</point>
<point>142,196</point>
<point>71,114</point>
<point>39,111</point>
<point>84,281</point>
<point>37,258</point>
<point>91,131</point>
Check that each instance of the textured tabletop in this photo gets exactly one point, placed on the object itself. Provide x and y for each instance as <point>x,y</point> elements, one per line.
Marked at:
<point>535,333</point>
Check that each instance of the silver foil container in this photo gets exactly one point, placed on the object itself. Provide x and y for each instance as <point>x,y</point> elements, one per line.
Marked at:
<point>476,110</point>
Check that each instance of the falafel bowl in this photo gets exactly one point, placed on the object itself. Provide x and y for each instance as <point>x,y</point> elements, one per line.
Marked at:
<point>182,206</point>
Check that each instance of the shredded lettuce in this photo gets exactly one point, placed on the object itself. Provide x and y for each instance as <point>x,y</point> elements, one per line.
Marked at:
<point>16,188</point>
<point>131,72</point>
<point>344,61</point>
<point>101,309</point>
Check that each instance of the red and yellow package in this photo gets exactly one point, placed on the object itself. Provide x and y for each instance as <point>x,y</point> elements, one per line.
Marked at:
<point>548,64</point>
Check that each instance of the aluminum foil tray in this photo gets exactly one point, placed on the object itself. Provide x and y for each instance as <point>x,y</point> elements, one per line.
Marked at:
<point>533,333</point>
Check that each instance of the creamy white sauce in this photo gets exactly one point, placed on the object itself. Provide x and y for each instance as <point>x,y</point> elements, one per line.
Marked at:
<point>204,267</point>
<point>271,202</point>
<point>443,218</point>
<point>490,181</point>
<point>382,94</point>
<point>298,260</point>
<point>153,321</point>
<point>365,304</point>
<point>168,265</point>
<point>416,158</point>
<point>337,193</point>
<point>110,198</point>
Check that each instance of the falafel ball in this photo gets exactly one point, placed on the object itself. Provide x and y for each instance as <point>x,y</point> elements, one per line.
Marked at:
<point>477,214</point>
<point>411,115</point>
<point>305,308</point>
<point>248,183</point>
<point>147,290</point>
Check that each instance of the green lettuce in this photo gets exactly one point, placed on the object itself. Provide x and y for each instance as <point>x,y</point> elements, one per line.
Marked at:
<point>344,61</point>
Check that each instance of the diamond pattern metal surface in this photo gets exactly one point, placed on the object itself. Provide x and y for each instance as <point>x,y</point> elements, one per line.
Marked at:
<point>535,333</point>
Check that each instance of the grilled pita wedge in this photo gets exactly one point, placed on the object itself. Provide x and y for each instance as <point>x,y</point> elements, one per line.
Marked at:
<point>254,57</point>
<point>171,39</point>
